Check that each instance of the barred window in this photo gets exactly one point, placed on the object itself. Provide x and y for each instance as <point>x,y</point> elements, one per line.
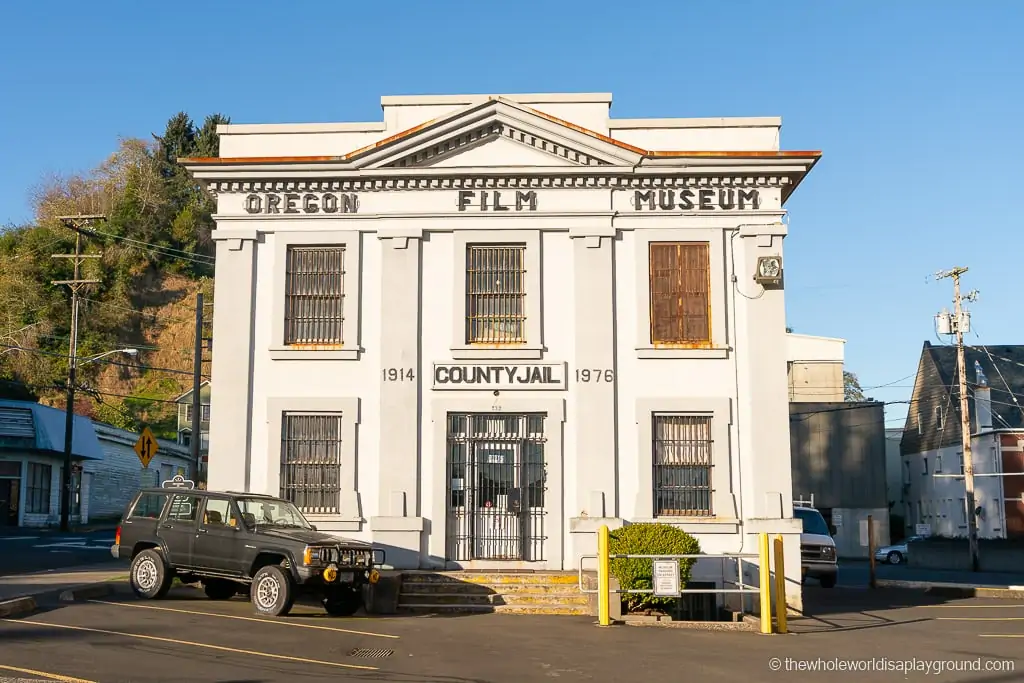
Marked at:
<point>314,295</point>
<point>680,293</point>
<point>37,489</point>
<point>682,465</point>
<point>496,294</point>
<point>311,461</point>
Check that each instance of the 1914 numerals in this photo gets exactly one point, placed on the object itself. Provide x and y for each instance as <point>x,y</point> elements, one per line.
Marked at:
<point>596,375</point>
<point>397,375</point>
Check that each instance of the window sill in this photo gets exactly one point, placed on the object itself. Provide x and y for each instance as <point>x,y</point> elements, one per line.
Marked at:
<point>497,352</point>
<point>677,352</point>
<point>288,353</point>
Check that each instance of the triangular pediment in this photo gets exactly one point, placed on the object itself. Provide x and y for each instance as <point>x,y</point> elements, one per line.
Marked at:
<point>496,133</point>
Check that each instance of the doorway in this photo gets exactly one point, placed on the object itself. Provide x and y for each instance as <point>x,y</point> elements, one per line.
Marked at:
<point>496,485</point>
<point>9,490</point>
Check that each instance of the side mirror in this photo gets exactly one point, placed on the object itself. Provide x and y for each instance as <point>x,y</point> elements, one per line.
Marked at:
<point>313,527</point>
<point>832,529</point>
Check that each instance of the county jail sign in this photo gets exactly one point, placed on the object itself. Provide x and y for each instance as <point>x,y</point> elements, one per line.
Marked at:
<point>499,376</point>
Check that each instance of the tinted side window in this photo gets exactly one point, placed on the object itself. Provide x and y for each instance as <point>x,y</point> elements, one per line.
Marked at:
<point>183,508</point>
<point>149,505</point>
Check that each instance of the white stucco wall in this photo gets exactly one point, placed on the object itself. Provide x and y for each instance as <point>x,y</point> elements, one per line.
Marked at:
<point>936,498</point>
<point>587,302</point>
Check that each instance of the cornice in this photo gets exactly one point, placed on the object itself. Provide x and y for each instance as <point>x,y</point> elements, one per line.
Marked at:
<point>413,183</point>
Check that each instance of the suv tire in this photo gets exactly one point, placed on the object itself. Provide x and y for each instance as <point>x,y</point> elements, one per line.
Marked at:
<point>272,591</point>
<point>219,589</point>
<point>149,575</point>
<point>343,602</point>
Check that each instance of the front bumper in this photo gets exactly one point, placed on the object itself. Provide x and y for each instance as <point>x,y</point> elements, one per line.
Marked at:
<point>817,570</point>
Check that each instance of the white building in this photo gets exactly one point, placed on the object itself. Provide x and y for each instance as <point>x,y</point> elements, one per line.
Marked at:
<point>933,460</point>
<point>480,328</point>
<point>106,471</point>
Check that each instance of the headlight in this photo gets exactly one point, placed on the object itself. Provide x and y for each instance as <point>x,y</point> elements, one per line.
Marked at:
<point>828,552</point>
<point>307,556</point>
<point>313,555</point>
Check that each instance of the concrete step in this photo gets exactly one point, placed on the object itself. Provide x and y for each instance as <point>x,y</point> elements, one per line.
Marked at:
<point>491,577</point>
<point>473,588</point>
<point>547,609</point>
<point>525,599</point>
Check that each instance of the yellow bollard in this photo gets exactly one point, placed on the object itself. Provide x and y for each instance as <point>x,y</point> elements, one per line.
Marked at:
<point>765,583</point>
<point>603,583</point>
<point>780,585</point>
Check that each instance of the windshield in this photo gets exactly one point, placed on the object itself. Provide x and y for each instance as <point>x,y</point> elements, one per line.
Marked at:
<point>261,511</point>
<point>814,523</point>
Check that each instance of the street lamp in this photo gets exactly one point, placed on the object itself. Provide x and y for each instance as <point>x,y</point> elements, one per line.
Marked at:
<point>69,431</point>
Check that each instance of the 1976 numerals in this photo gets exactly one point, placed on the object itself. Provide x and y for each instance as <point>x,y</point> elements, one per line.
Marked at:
<point>595,375</point>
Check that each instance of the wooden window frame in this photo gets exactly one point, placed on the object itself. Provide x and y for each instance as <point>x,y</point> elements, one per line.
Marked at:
<point>718,347</point>
<point>699,283</point>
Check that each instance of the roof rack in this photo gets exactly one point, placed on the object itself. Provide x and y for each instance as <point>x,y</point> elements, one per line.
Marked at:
<point>803,503</point>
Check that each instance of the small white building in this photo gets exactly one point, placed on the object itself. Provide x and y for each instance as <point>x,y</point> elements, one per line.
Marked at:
<point>480,328</point>
<point>105,474</point>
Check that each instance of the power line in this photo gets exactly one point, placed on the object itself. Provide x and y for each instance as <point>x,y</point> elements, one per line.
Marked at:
<point>101,360</point>
<point>157,249</point>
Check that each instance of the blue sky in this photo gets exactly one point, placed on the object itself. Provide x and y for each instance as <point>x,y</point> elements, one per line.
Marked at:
<point>917,106</point>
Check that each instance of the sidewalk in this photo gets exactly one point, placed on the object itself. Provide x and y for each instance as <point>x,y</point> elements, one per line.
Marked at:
<point>57,581</point>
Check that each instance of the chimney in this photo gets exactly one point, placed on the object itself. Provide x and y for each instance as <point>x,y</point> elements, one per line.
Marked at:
<point>982,399</point>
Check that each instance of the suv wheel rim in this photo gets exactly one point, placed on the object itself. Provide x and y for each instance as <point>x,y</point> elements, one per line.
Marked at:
<point>145,574</point>
<point>267,592</point>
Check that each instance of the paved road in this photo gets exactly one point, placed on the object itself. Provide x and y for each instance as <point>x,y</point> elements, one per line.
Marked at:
<point>188,637</point>
<point>855,573</point>
<point>27,550</point>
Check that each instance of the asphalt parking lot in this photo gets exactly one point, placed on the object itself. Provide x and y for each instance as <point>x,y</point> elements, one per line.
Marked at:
<point>188,637</point>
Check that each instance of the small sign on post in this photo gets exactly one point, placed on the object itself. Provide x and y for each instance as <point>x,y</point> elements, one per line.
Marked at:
<point>666,579</point>
<point>146,447</point>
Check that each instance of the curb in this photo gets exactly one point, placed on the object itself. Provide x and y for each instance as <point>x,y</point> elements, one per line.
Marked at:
<point>965,590</point>
<point>18,606</point>
<point>88,592</point>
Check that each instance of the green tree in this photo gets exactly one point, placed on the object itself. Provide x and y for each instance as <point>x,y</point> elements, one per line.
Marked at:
<point>852,390</point>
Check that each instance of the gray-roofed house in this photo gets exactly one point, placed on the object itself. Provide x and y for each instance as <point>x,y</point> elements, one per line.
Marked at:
<point>105,470</point>
<point>931,443</point>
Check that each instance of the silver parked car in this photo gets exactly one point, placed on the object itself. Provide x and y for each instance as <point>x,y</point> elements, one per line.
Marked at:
<point>895,554</point>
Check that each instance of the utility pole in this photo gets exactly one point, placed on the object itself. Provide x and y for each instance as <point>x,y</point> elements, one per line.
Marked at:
<point>965,411</point>
<point>75,223</point>
<point>197,380</point>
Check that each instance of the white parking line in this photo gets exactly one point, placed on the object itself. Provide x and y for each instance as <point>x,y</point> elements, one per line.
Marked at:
<point>52,677</point>
<point>208,646</point>
<point>263,620</point>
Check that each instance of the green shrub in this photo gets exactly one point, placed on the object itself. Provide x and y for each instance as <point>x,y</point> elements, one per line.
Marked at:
<point>649,539</point>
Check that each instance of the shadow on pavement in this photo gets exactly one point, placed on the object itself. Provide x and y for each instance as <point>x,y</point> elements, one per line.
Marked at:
<point>851,609</point>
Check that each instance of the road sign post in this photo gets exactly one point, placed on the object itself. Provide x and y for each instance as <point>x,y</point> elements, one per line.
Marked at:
<point>146,447</point>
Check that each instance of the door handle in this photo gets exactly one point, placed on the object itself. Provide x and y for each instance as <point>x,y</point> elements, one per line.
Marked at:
<point>200,531</point>
<point>167,526</point>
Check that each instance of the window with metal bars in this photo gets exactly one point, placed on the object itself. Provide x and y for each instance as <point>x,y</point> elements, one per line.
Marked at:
<point>496,294</point>
<point>682,465</point>
<point>311,461</point>
<point>680,293</point>
<point>314,296</point>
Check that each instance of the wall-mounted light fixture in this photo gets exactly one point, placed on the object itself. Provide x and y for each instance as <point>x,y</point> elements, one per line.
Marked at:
<point>769,271</point>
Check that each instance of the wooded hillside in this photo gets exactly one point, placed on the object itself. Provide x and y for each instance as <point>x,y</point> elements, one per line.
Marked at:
<point>156,254</point>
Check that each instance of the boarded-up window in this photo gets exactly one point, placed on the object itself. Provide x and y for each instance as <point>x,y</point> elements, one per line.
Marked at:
<point>680,293</point>
<point>314,295</point>
<point>311,461</point>
<point>496,294</point>
<point>682,465</point>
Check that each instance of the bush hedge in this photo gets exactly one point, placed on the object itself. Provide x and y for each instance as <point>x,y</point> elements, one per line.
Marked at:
<point>649,539</point>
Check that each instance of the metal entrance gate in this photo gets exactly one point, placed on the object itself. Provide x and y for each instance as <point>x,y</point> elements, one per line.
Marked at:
<point>496,484</point>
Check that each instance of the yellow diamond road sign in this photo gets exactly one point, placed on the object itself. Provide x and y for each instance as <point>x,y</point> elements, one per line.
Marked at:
<point>146,447</point>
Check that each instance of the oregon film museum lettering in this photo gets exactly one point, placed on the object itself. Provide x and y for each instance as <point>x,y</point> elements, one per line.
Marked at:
<point>495,200</point>
<point>306,202</point>
<point>520,376</point>
<point>699,200</point>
